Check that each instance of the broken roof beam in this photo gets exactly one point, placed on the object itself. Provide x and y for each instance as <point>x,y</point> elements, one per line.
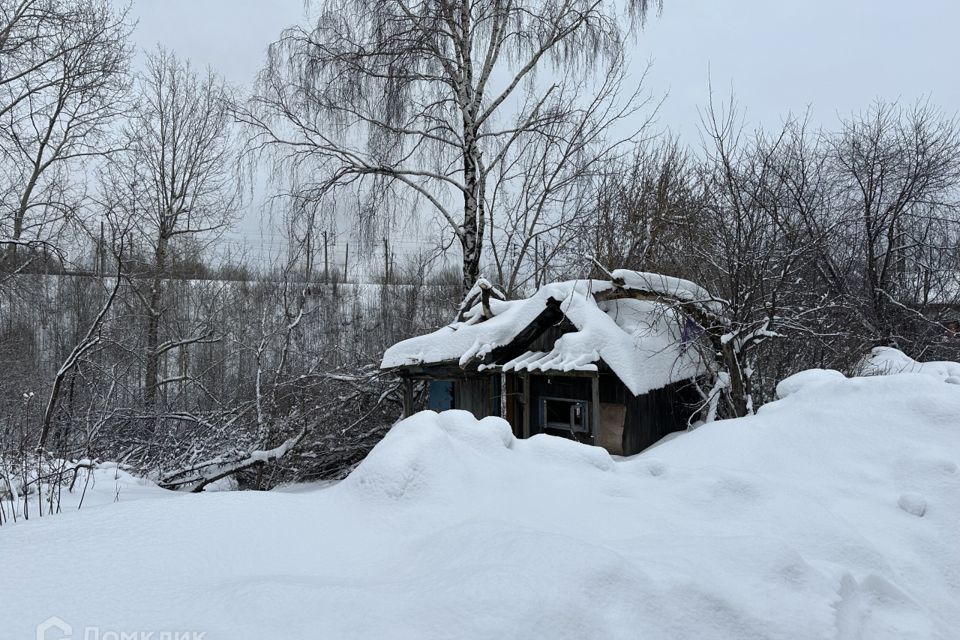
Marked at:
<point>481,291</point>
<point>485,291</point>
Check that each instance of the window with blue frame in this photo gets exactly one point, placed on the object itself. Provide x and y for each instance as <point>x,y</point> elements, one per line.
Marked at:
<point>440,396</point>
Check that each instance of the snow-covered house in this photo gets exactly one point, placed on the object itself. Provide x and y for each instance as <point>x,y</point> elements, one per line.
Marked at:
<point>607,362</point>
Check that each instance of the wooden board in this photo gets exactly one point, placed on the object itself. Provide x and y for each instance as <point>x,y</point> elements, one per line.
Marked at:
<point>609,433</point>
<point>471,395</point>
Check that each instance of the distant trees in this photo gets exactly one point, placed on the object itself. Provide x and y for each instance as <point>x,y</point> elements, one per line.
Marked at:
<point>643,208</point>
<point>821,244</point>
<point>897,177</point>
<point>540,194</point>
<point>429,100</point>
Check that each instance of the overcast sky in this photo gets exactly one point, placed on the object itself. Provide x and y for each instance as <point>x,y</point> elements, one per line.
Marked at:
<point>833,56</point>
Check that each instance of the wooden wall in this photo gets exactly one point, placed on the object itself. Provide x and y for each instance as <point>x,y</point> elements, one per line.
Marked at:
<point>627,424</point>
<point>653,415</point>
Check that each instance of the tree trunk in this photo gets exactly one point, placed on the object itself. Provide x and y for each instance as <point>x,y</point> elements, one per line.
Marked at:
<point>152,354</point>
<point>471,240</point>
<point>738,390</point>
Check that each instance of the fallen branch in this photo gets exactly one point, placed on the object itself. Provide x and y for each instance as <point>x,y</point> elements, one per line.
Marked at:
<point>197,476</point>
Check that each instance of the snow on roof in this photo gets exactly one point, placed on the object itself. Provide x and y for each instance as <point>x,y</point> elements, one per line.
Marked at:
<point>639,340</point>
<point>668,285</point>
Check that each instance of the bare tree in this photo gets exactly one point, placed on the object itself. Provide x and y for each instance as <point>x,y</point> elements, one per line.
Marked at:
<point>90,341</point>
<point>540,194</point>
<point>176,180</point>
<point>427,98</point>
<point>743,244</point>
<point>829,243</point>
<point>897,174</point>
<point>643,208</point>
<point>63,75</point>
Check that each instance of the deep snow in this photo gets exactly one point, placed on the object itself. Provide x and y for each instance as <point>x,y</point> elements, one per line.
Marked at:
<point>886,360</point>
<point>833,513</point>
<point>94,485</point>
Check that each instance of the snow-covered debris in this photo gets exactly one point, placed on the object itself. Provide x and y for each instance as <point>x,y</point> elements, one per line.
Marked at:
<point>799,522</point>
<point>476,294</point>
<point>887,360</point>
<point>200,474</point>
<point>641,341</point>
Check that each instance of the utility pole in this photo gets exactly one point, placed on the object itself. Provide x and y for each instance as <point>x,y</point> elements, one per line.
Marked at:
<point>386,260</point>
<point>102,253</point>
<point>326,260</point>
<point>309,271</point>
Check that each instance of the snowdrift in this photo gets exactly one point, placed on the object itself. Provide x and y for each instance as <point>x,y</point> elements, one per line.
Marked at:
<point>887,361</point>
<point>832,513</point>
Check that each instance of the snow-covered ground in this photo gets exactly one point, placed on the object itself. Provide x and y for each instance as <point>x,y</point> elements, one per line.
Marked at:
<point>84,485</point>
<point>832,514</point>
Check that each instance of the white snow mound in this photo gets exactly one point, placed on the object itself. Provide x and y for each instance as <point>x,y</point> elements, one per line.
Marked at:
<point>887,361</point>
<point>807,380</point>
<point>832,513</point>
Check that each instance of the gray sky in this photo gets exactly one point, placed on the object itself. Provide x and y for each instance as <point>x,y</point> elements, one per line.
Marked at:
<point>229,35</point>
<point>778,55</point>
<point>833,56</point>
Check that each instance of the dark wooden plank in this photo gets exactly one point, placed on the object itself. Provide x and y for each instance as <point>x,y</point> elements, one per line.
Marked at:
<point>526,406</point>
<point>407,397</point>
<point>595,406</point>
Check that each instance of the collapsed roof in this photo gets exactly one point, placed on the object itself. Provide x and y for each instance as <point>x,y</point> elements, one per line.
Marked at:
<point>645,342</point>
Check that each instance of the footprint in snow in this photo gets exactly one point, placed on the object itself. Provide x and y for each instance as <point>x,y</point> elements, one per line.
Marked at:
<point>913,503</point>
<point>656,468</point>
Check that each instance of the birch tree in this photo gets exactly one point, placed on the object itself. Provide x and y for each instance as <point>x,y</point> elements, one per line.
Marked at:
<point>418,102</point>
